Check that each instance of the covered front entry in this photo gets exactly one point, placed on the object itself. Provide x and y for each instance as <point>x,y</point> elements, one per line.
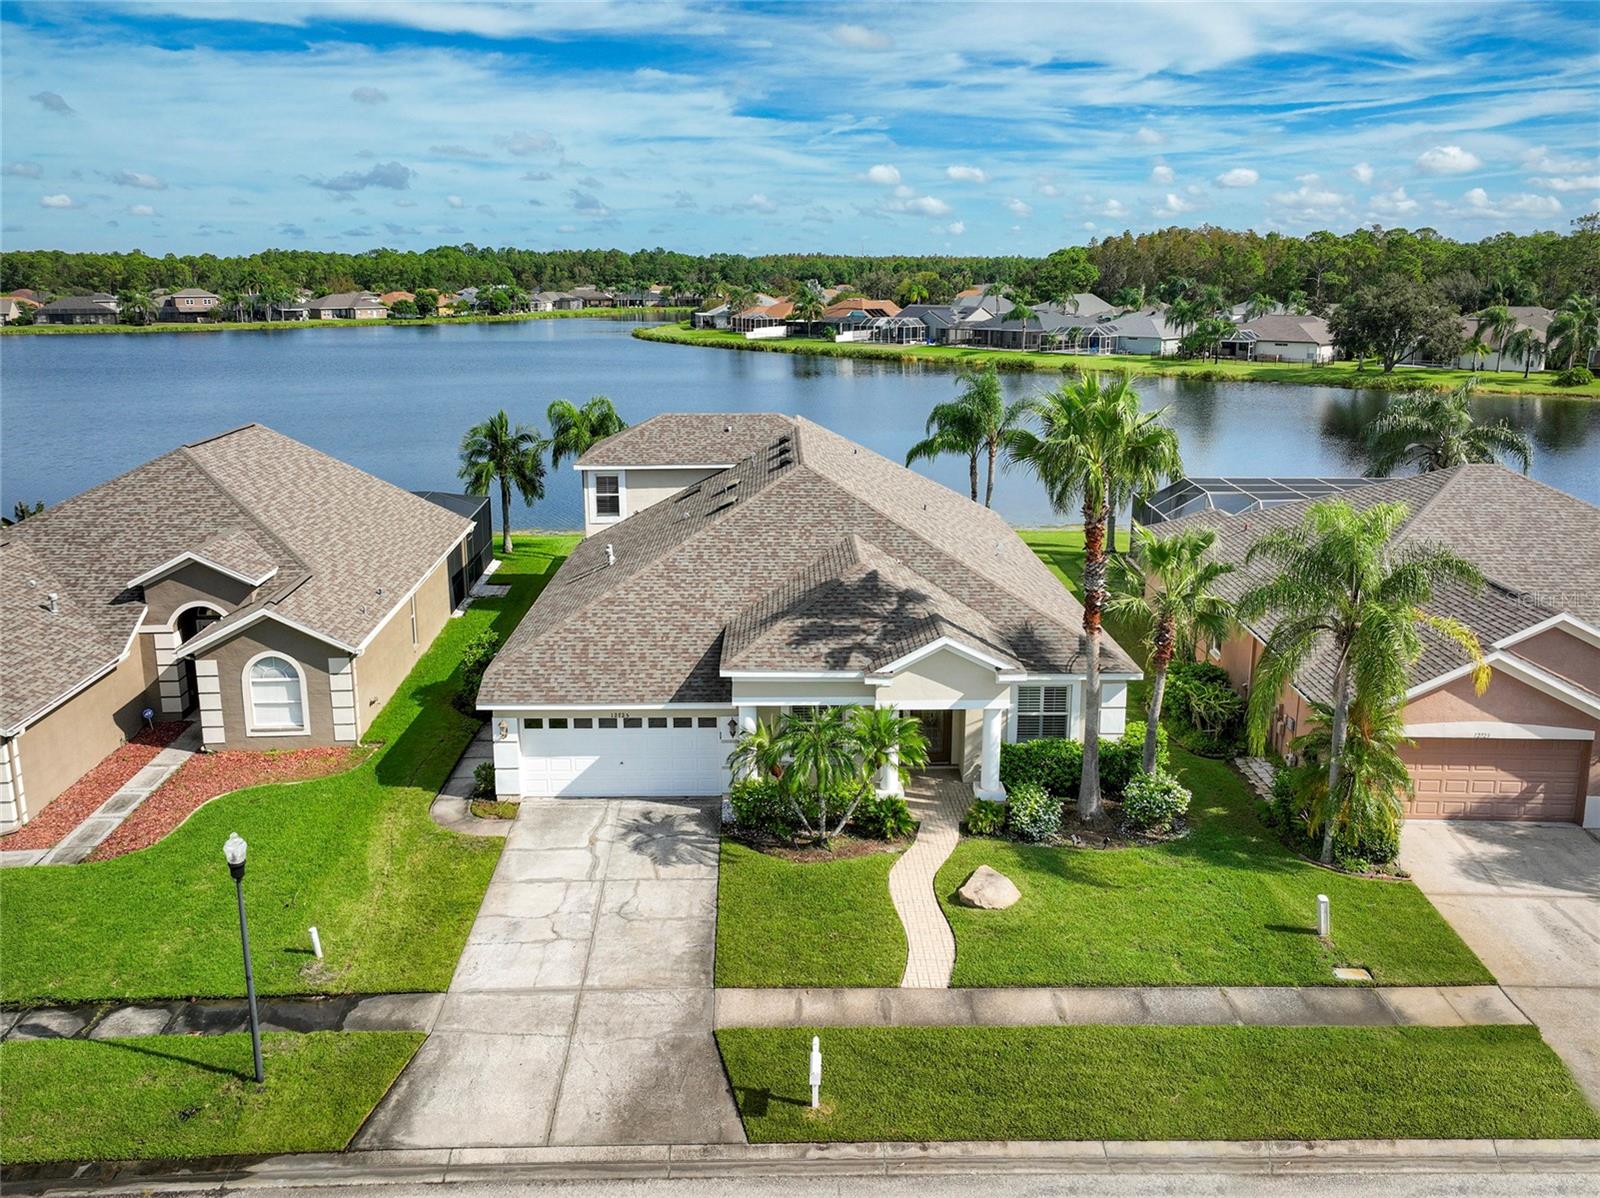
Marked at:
<point>1497,778</point>
<point>938,728</point>
<point>611,756</point>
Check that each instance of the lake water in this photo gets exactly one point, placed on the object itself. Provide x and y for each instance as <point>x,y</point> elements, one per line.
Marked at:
<point>76,410</point>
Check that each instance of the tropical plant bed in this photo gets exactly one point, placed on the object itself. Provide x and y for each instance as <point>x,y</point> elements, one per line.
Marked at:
<point>84,797</point>
<point>807,923</point>
<point>839,848</point>
<point>180,1097</point>
<point>207,776</point>
<point>1225,905</point>
<point>1154,1083</point>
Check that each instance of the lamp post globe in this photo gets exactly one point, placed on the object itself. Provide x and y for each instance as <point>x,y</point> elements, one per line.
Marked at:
<point>233,851</point>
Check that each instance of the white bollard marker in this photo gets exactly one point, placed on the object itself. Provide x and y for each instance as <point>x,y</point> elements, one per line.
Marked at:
<point>816,1072</point>
<point>1324,923</point>
<point>316,943</point>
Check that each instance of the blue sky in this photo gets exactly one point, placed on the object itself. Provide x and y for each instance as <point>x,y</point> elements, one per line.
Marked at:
<point>931,127</point>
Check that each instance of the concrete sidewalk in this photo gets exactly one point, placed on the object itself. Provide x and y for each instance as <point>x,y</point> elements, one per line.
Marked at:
<point>218,1017</point>
<point>1043,1006</point>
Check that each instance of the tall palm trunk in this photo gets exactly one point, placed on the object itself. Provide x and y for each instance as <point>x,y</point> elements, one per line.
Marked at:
<point>972,473</point>
<point>1341,718</point>
<point>1111,532</point>
<point>505,514</point>
<point>1160,659</point>
<point>1094,597</point>
<point>988,488</point>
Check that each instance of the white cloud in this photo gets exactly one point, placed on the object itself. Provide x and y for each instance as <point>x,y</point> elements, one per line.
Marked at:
<point>455,201</point>
<point>859,37</point>
<point>1361,172</point>
<point>966,174</point>
<point>1173,205</point>
<point>137,179</point>
<point>1115,209</point>
<point>1312,200</point>
<point>883,173</point>
<point>23,170</point>
<point>761,203</point>
<point>1046,188</point>
<point>1162,173</point>
<point>61,200</point>
<point>1567,182</point>
<point>928,206</point>
<point>1479,203</point>
<point>1239,176</point>
<point>1394,203</point>
<point>956,228</point>
<point>1019,209</point>
<point>904,191</point>
<point>1448,160</point>
<point>141,210</point>
<point>1147,136</point>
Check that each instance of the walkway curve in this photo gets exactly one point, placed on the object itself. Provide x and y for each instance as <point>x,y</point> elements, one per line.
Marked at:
<point>939,801</point>
<point>452,807</point>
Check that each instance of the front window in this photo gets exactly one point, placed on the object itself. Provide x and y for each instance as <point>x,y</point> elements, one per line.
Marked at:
<point>607,495</point>
<point>277,695</point>
<point>1041,712</point>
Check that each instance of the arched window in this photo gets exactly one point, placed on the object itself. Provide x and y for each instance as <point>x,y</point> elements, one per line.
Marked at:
<point>275,691</point>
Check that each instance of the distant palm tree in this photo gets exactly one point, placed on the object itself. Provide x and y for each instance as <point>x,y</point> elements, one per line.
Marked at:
<point>1296,302</point>
<point>1575,331</point>
<point>1022,311</point>
<point>914,290</point>
<point>1524,346</point>
<point>1478,348</point>
<point>573,429</point>
<point>1167,584</point>
<point>808,306</point>
<point>1130,299</point>
<point>1499,323</point>
<point>1091,441</point>
<point>134,306</point>
<point>1345,594</point>
<point>1259,304</point>
<point>1436,431</point>
<point>1184,315</point>
<point>977,422</point>
<point>513,455</point>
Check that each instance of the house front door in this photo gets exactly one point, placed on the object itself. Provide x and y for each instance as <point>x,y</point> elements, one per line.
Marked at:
<point>936,729</point>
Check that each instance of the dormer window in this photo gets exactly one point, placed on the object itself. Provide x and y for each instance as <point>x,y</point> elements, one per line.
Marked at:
<point>608,495</point>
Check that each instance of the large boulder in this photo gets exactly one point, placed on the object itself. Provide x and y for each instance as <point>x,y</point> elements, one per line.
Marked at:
<point>989,889</point>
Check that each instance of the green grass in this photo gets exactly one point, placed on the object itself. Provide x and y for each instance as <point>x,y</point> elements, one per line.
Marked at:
<point>1332,374</point>
<point>1160,1083</point>
<point>225,326</point>
<point>822,923</point>
<point>1225,905</point>
<point>176,1097</point>
<point>392,894</point>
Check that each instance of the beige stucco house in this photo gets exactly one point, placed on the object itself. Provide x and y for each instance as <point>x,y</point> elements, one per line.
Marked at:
<point>275,593</point>
<point>807,571</point>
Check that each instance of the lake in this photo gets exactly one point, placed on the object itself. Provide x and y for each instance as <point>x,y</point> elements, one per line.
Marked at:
<point>76,410</point>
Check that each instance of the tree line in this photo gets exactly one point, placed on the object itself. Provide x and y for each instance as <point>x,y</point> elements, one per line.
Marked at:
<point>1323,268</point>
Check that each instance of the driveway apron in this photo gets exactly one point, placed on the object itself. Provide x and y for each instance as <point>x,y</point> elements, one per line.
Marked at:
<point>581,1009</point>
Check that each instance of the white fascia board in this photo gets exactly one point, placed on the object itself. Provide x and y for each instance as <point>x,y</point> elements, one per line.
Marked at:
<point>171,564</point>
<point>793,675</point>
<point>46,708</point>
<point>226,631</point>
<point>1566,621</point>
<point>662,466</point>
<point>415,587</point>
<point>1523,671</point>
<point>1494,730</point>
<point>721,708</point>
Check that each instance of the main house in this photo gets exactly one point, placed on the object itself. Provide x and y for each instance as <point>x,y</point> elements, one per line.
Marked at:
<point>278,593</point>
<point>807,571</point>
<point>1524,749</point>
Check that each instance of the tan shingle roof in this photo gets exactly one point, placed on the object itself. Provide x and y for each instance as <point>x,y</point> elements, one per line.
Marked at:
<point>689,439</point>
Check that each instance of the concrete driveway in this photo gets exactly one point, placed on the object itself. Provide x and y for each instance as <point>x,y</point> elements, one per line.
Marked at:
<point>581,1008</point>
<point>1526,899</point>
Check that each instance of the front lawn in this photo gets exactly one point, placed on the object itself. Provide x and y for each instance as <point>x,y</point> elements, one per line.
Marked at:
<point>176,1097</point>
<point>819,923</point>
<point>392,894</point>
<point>1226,905</point>
<point>1155,1083</point>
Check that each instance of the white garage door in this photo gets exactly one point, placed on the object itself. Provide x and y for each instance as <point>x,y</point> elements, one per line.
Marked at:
<point>614,756</point>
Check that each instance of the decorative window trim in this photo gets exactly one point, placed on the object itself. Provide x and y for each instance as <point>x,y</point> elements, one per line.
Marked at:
<point>620,495</point>
<point>251,728</point>
<point>1043,712</point>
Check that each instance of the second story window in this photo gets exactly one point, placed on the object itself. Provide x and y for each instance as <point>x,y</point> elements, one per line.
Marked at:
<point>607,495</point>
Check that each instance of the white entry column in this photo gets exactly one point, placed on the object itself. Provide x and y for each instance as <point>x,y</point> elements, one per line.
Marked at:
<point>747,725</point>
<point>989,761</point>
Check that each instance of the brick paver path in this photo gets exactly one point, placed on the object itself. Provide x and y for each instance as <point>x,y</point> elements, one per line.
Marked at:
<point>939,801</point>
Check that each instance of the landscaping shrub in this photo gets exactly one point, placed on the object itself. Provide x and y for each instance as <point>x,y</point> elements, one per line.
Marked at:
<point>1355,849</point>
<point>1153,801</point>
<point>475,659</point>
<point>1360,850</point>
<point>1122,760</point>
<point>759,810</point>
<point>1056,765</point>
<point>483,780</point>
<point>1574,376</point>
<point>883,817</point>
<point>1032,813</point>
<point>985,818</point>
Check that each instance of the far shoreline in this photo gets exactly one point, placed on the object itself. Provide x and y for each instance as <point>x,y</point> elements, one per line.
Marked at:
<point>1333,374</point>
<point>268,326</point>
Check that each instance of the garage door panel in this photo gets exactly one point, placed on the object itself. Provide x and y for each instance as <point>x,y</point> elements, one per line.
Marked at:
<point>1497,779</point>
<point>595,762</point>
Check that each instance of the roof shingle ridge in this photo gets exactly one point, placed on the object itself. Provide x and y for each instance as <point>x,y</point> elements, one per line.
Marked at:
<point>287,581</point>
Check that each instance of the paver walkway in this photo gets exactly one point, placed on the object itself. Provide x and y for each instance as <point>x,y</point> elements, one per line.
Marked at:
<point>581,1009</point>
<point>939,800</point>
<point>86,837</point>
<point>452,808</point>
<point>1043,1006</point>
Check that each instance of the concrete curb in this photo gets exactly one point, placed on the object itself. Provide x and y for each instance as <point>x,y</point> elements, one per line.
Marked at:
<point>623,1162</point>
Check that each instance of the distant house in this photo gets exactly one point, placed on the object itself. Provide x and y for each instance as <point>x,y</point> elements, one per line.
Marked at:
<point>98,308</point>
<point>1535,318</point>
<point>770,320</point>
<point>1144,332</point>
<point>348,305</point>
<point>297,309</point>
<point>543,301</point>
<point>594,297</point>
<point>189,306</point>
<point>715,317</point>
<point>1281,339</point>
<point>388,298</point>
<point>566,301</point>
<point>467,297</point>
<point>11,305</point>
<point>938,322</point>
<point>853,318</point>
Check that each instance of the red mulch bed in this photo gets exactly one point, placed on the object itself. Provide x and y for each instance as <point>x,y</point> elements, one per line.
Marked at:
<point>80,800</point>
<point>204,777</point>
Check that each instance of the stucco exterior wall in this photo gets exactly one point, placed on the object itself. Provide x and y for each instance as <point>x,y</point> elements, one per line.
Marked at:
<point>230,657</point>
<point>193,583</point>
<point>943,680</point>
<point>63,746</point>
<point>1239,656</point>
<point>1564,654</point>
<point>640,489</point>
<point>767,694</point>
<point>389,656</point>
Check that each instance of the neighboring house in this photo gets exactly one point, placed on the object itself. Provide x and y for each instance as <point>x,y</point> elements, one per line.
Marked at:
<point>293,310</point>
<point>716,317</point>
<point>467,297</point>
<point>473,562</point>
<point>1537,319</point>
<point>278,592</point>
<point>1235,495</point>
<point>938,321</point>
<point>1280,339</point>
<point>188,306</point>
<point>565,301</point>
<point>1145,332</point>
<point>10,305</point>
<point>543,301</point>
<point>98,308</point>
<point>652,461</point>
<point>594,297</point>
<point>1525,749</point>
<point>770,318</point>
<point>347,305</point>
<point>389,298</point>
<point>811,573</point>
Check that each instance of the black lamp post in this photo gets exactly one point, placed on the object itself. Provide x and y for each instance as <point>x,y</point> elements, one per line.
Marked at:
<point>234,850</point>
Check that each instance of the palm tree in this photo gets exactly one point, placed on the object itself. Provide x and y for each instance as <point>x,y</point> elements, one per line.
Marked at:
<point>1345,595</point>
<point>757,753</point>
<point>1575,331</point>
<point>134,304</point>
<point>914,290</point>
<point>1168,585</point>
<point>1524,346</point>
<point>573,429</point>
<point>1129,299</point>
<point>1092,440</point>
<point>882,737</point>
<point>1023,311</point>
<point>1184,314</point>
<point>1499,323</point>
<point>808,306</point>
<point>1436,431</point>
<point>1296,303</point>
<point>975,423</point>
<point>1375,782</point>
<point>1259,304</point>
<point>1479,349</point>
<point>514,455</point>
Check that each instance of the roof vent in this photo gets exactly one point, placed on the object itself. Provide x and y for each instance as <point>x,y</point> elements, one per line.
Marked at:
<point>727,428</point>
<point>50,602</point>
<point>611,555</point>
